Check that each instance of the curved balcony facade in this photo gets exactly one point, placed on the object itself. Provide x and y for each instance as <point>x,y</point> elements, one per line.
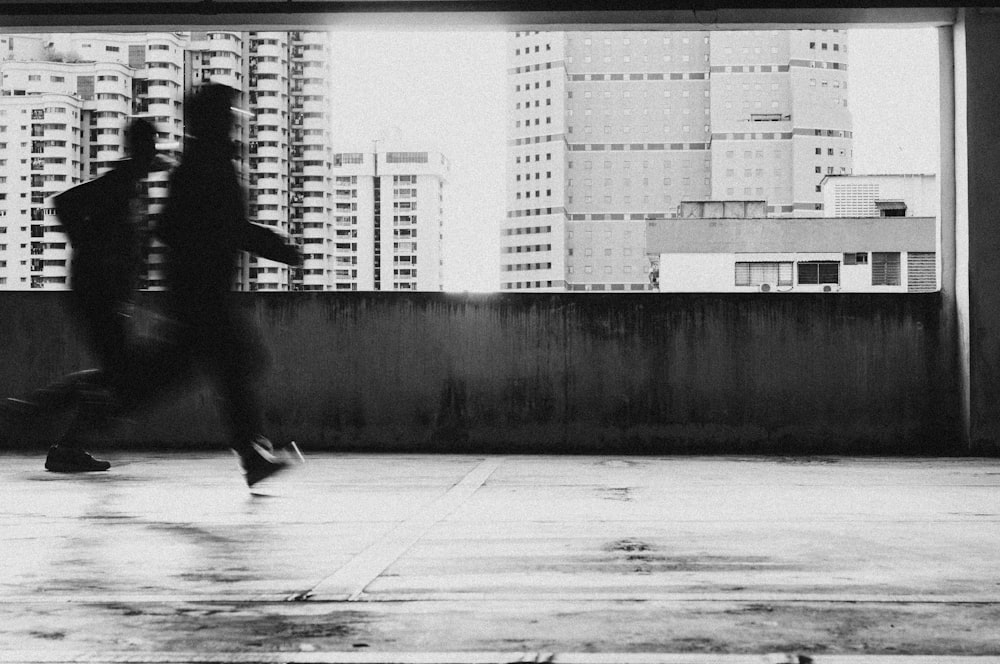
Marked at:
<point>260,46</point>
<point>268,171</point>
<point>61,151</point>
<point>314,122</point>
<point>220,39</point>
<point>313,198</point>
<point>315,184</point>
<point>270,67</point>
<point>167,71</point>
<point>53,269</point>
<point>160,109</point>
<point>312,106</point>
<point>273,218</point>
<point>314,170</point>
<point>267,180</point>
<point>314,233</point>
<point>274,151</point>
<point>314,218</point>
<point>268,199</point>
<point>264,82</point>
<point>278,102</point>
<point>114,121</point>
<point>162,87</point>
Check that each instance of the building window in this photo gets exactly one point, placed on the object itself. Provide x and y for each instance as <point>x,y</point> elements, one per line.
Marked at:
<point>763,272</point>
<point>885,269</point>
<point>819,272</point>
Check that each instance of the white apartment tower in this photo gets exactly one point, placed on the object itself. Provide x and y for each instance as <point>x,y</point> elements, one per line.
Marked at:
<point>284,140</point>
<point>65,100</point>
<point>388,220</point>
<point>609,129</point>
<point>64,103</point>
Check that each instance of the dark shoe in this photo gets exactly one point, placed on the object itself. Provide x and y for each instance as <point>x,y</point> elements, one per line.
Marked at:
<point>259,461</point>
<point>65,459</point>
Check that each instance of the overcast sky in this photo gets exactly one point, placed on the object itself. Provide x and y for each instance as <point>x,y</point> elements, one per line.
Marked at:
<point>442,91</point>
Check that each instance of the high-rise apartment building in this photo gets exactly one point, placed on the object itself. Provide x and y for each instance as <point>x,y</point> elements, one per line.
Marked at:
<point>389,214</point>
<point>609,129</point>
<point>66,98</point>
<point>64,104</point>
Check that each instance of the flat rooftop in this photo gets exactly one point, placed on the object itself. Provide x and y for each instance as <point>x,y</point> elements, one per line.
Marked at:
<point>420,558</point>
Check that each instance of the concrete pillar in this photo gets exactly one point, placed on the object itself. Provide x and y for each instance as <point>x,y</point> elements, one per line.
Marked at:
<point>977,227</point>
<point>948,251</point>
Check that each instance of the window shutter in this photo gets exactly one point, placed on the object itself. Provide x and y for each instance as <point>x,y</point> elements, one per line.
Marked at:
<point>808,273</point>
<point>829,273</point>
<point>784,274</point>
<point>742,274</point>
<point>921,268</point>
<point>885,269</point>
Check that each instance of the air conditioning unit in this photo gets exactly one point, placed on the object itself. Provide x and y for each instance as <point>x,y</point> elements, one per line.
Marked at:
<point>829,288</point>
<point>766,288</point>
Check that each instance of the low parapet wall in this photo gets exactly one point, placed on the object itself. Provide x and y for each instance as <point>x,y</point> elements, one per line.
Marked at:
<point>577,373</point>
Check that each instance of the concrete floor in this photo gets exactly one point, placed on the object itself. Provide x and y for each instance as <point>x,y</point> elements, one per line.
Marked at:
<point>379,558</point>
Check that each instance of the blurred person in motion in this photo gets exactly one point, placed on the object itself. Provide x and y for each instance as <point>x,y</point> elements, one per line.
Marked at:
<point>104,220</point>
<point>204,227</point>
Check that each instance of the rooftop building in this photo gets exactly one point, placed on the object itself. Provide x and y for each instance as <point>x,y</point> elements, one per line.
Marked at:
<point>609,129</point>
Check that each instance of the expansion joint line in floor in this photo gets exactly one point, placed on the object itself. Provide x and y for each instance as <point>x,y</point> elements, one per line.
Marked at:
<point>352,579</point>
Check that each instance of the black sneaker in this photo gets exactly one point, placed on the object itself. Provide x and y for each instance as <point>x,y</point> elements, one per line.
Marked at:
<point>65,459</point>
<point>259,462</point>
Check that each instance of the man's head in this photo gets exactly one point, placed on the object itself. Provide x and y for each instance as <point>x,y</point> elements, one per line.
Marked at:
<point>140,143</point>
<point>209,112</point>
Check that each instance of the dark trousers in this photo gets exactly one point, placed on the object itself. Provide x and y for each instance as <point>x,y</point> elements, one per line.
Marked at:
<point>222,343</point>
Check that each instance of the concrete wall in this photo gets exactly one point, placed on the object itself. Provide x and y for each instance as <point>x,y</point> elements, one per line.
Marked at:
<point>650,373</point>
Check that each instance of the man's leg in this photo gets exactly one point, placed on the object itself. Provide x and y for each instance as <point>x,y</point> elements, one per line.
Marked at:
<point>92,391</point>
<point>239,359</point>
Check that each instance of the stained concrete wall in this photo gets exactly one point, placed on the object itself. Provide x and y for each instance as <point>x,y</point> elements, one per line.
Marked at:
<point>647,373</point>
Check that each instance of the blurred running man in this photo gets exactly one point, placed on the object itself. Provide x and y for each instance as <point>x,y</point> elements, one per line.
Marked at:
<point>103,218</point>
<point>204,227</point>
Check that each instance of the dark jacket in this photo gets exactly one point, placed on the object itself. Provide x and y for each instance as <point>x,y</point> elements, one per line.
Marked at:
<point>106,241</point>
<point>204,227</point>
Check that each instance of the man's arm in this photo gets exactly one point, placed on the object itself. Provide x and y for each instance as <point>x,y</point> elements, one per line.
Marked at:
<point>74,206</point>
<point>267,244</point>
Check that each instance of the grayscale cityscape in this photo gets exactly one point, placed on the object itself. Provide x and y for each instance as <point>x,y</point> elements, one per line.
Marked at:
<point>609,141</point>
<point>350,332</point>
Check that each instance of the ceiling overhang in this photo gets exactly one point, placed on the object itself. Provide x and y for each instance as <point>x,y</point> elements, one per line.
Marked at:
<point>155,15</point>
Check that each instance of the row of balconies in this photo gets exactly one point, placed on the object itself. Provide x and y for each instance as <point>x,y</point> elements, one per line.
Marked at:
<point>163,88</point>
<point>269,50</point>
<point>259,66</point>
<point>311,106</point>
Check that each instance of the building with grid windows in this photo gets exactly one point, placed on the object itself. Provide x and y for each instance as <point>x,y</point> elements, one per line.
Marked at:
<point>64,103</point>
<point>80,89</point>
<point>388,216</point>
<point>607,130</point>
<point>739,254</point>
